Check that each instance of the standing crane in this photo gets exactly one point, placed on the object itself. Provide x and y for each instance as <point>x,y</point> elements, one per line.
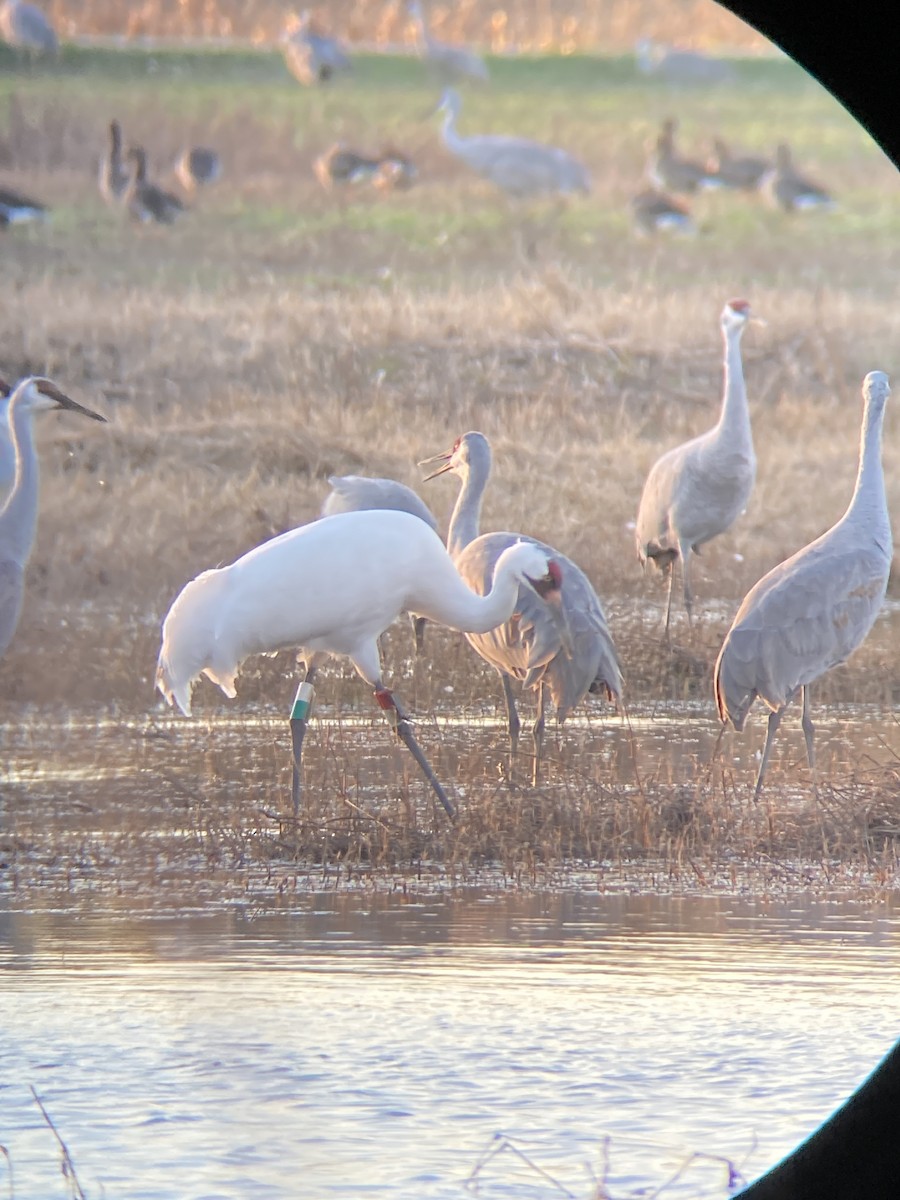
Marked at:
<point>699,489</point>
<point>446,64</point>
<point>565,663</point>
<point>146,201</point>
<point>812,611</point>
<point>666,168</point>
<point>311,57</point>
<point>114,176</point>
<point>519,167</point>
<point>19,513</point>
<point>25,27</point>
<point>791,191</point>
<point>333,587</point>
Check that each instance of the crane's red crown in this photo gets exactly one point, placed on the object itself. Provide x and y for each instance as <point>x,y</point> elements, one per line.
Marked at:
<point>739,306</point>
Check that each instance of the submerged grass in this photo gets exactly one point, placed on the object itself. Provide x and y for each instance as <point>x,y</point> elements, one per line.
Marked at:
<point>277,335</point>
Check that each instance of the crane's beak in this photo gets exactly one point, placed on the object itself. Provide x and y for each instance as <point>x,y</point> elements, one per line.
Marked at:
<point>47,388</point>
<point>549,589</point>
<point>445,459</point>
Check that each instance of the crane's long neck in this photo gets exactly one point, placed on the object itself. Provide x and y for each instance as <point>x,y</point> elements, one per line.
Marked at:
<point>452,139</point>
<point>465,521</point>
<point>18,517</point>
<point>462,609</point>
<point>734,421</point>
<point>869,500</point>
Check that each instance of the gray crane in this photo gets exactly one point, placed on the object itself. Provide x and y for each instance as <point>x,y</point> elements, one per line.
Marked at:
<point>679,66</point>
<point>114,176</point>
<point>813,610</point>
<point>312,58</point>
<point>666,168</point>
<point>739,172</point>
<point>26,28</point>
<point>655,212</point>
<point>699,489</point>
<point>565,663</point>
<point>357,493</point>
<point>18,516</point>
<point>446,64</point>
<point>791,191</point>
<point>198,167</point>
<point>519,167</point>
<point>146,201</point>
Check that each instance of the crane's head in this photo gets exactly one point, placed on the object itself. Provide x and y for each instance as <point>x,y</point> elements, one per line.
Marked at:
<point>37,394</point>
<point>735,316</point>
<point>450,102</point>
<point>876,388</point>
<point>472,447</point>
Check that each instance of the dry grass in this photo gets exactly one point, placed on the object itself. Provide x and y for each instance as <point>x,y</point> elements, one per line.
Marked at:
<point>273,338</point>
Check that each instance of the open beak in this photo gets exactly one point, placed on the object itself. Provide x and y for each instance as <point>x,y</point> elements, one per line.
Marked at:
<point>444,459</point>
<point>551,593</point>
<point>49,389</point>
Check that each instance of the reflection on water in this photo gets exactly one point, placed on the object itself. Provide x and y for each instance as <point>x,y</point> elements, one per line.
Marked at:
<point>375,1046</point>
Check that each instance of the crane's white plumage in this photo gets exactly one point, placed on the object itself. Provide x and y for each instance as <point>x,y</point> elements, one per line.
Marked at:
<point>331,587</point>
<point>697,490</point>
<point>813,610</point>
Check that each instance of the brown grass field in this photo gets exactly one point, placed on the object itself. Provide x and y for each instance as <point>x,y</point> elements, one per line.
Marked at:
<point>277,334</point>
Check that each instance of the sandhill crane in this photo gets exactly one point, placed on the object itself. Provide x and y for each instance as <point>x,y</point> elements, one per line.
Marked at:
<point>697,490</point>
<point>333,587</point>
<point>666,168</point>
<point>446,64</point>
<point>311,57</point>
<point>114,176</point>
<point>19,513</point>
<point>564,664</point>
<point>655,212</point>
<point>25,27</point>
<point>678,66</point>
<point>146,201</point>
<point>813,610</point>
<point>16,209</point>
<point>519,167</point>
<point>7,446</point>
<point>740,172</point>
<point>198,167</point>
<point>790,190</point>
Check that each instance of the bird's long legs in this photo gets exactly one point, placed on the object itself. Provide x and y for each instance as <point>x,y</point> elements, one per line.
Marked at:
<point>513,724</point>
<point>685,556</point>
<point>537,732</point>
<point>400,723</point>
<point>808,730</point>
<point>771,730</point>
<point>299,719</point>
<point>418,624</point>
<point>669,601</point>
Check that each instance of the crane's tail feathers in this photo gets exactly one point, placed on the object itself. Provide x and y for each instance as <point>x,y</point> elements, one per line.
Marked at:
<point>174,693</point>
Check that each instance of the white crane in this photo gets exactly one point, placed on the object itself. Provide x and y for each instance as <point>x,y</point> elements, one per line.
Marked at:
<point>145,201</point>
<point>791,191</point>
<point>739,172</point>
<point>114,176</point>
<point>446,64</point>
<point>812,611</point>
<point>679,66</point>
<point>19,513</point>
<point>519,167</point>
<point>666,168</point>
<point>655,212</point>
<point>697,490</point>
<point>25,27</point>
<point>310,57</point>
<point>333,587</point>
<point>564,662</point>
<point>198,167</point>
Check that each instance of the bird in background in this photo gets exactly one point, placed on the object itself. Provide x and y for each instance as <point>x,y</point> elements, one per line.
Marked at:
<point>559,661</point>
<point>445,63</point>
<point>738,172</point>
<point>812,611</point>
<point>198,167</point>
<point>654,212</point>
<point>698,490</point>
<point>340,166</point>
<point>311,57</point>
<point>667,169</point>
<point>145,201</point>
<point>16,209</point>
<point>19,512</point>
<point>114,176</point>
<point>791,191</point>
<point>358,493</point>
<point>26,28</point>
<point>331,588</point>
<point>678,66</point>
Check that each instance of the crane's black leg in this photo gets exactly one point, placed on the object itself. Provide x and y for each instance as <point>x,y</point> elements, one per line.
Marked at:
<point>400,723</point>
<point>537,733</point>
<point>513,723</point>
<point>418,624</point>
<point>774,722</point>
<point>300,712</point>
<point>686,583</point>
<point>669,601</point>
<point>808,730</point>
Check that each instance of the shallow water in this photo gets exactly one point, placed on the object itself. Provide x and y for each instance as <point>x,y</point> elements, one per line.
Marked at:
<point>375,1046</point>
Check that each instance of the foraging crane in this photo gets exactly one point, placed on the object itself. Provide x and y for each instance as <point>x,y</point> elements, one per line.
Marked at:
<point>25,27</point>
<point>333,587</point>
<point>19,513</point>
<point>357,493</point>
<point>791,191</point>
<point>666,168</point>
<point>565,663</point>
<point>114,176</point>
<point>446,64</point>
<point>146,201</point>
<point>680,66</point>
<point>812,611</point>
<point>739,172</point>
<point>16,209</point>
<point>198,167</point>
<point>519,167</point>
<point>699,489</point>
<point>655,212</point>
<point>311,57</point>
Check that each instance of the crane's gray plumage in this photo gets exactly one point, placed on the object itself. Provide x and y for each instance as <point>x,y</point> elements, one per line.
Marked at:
<point>198,166</point>
<point>145,201</point>
<point>310,57</point>
<point>446,64</point>
<point>697,490</point>
<point>25,27</point>
<point>19,513</point>
<point>655,212</point>
<point>740,172</point>
<point>666,168</point>
<point>813,610</point>
<point>679,66</point>
<point>529,647</point>
<point>114,175</point>
<point>790,190</point>
<point>517,166</point>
